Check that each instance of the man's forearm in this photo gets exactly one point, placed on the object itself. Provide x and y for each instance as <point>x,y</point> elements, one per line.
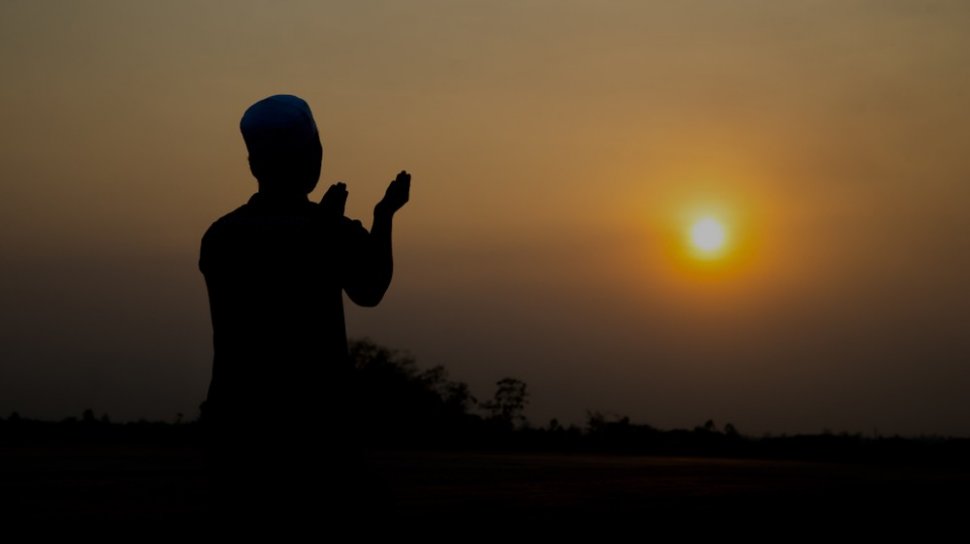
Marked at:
<point>380,260</point>
<point>383,258</point>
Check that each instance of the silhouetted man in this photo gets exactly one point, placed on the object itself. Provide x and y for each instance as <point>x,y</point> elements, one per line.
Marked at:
<point>279,407</point>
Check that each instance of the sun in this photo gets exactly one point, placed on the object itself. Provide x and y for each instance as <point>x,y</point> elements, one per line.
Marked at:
<point>708,237</point>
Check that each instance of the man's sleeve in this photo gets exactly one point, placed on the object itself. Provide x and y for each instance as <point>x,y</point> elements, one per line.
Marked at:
<point>364,274</point>
<point>205,250</point>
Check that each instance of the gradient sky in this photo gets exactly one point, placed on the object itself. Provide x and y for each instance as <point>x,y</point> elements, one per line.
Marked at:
<point>557,148</point>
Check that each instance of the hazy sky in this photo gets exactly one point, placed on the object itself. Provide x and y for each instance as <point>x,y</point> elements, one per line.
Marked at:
<point>559,150</point>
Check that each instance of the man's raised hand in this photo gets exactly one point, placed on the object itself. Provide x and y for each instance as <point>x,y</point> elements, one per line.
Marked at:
<point>334,200</point>
<point>397,194</point>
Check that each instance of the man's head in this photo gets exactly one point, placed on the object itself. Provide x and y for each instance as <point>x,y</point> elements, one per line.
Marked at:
<point>285,153</point>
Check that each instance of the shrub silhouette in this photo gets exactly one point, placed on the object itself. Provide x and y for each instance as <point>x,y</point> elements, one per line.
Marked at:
<point>507,407</point>
<point>402,405</point>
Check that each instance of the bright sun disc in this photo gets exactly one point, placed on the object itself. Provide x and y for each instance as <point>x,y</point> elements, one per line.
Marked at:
<point>708,235</point>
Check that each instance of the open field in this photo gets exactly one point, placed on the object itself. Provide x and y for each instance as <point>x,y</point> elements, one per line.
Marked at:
<point>129,483</point>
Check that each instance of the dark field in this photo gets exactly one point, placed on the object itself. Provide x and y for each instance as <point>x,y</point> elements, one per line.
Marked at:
<point>107,484</point>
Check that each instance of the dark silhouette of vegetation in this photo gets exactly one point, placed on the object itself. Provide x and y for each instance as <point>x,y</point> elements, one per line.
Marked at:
<point>403,406</point>
<point>507,407</point>
<point>89,467</point>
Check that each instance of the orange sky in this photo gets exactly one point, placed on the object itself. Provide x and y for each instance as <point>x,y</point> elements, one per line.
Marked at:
<point>555,148</point>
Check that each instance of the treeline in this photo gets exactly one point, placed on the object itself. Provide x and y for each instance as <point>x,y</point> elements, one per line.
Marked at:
<point>400,405</point>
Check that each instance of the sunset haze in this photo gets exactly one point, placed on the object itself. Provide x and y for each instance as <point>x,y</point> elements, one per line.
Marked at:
<point>560,151</point>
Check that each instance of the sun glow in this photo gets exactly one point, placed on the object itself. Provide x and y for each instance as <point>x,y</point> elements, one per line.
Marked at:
<point>708,236</point>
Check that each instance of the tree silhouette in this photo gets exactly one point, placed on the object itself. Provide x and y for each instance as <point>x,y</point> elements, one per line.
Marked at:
<point>401,404</point>
<point>508,405</point>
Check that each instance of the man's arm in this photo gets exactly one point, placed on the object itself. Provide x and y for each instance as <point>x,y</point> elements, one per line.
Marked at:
<point>372,263</point>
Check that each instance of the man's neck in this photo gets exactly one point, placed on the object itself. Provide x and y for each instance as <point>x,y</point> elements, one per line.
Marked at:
<point>279,197</point>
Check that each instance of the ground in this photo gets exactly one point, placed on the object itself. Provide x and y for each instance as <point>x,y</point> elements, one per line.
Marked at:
<point>108,484</point>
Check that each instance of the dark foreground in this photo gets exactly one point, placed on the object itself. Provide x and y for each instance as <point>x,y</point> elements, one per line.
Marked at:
<point>120,484</point>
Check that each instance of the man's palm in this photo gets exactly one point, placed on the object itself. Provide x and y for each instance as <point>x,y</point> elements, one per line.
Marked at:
<point>397,193</point>
<point>334,200</point>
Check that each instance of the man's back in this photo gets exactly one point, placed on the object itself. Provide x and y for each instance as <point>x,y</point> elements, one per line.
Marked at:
<point>275,271</point>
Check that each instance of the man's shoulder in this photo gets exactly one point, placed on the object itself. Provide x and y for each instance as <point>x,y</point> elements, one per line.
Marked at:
<point>226,221</point>
<point>251,214</point>
<point>220,231</point>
